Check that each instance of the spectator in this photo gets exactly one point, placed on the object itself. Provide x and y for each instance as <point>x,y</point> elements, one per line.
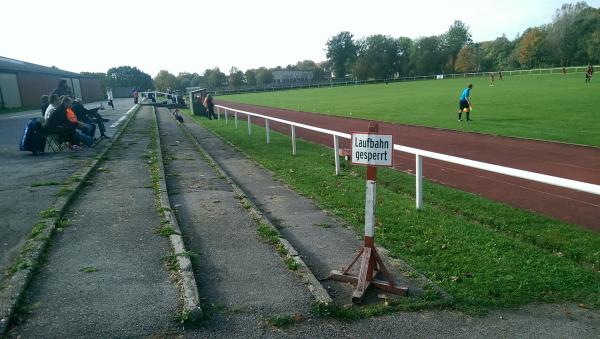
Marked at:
<point>45,103</point>
<point>136,94</point>
<point>54,102</point>
<point>57,123</point>
<point>90,116</point>
<point>62,89</point>
<point>109,95</point>
<point>84,132</point>
<point>210,107</point>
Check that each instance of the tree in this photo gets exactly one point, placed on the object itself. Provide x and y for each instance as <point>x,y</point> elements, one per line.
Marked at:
<point>306,65</point>
<point>594,47</point>
<point>530,48</point>
<point>466,60</point>
<point>127,76</point>
<point>264,76</point>
<point>214,78</point>
<point>165,81</point>
<point>426,55</point>
<point>250,77</point>
<point>453,41</point>
<point>361,69</point>
<point>559,39</point>
<point>185,80</point>
<point>341,52</point>
<point>580,34</point>
<point>378,57</point>
<point>405,47</point>
<point>236,78</point>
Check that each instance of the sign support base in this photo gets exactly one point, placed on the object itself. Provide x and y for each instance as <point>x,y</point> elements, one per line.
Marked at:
<point>370,264</point>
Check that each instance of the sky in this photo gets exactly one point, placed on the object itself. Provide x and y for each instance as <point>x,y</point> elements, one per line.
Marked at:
<point>195,35</point>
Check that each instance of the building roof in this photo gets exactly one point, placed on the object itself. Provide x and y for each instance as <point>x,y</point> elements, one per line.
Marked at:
<point>13,65</point>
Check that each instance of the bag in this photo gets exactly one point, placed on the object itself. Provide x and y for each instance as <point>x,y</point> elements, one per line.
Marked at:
<point>33,140</point>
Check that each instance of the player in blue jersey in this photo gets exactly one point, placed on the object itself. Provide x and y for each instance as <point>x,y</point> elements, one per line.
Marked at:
<point>464,104</point>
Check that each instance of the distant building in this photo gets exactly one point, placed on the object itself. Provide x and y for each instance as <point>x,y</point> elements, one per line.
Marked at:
<point>23,83</point>
<point>287,76</point>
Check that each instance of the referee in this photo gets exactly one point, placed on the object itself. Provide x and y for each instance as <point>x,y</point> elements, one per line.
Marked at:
<point>464,103</point>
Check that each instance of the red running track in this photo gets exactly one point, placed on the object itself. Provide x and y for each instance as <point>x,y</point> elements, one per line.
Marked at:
<point>575,162</point>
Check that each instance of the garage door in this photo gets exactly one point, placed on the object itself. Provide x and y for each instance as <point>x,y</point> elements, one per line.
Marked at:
<point>76,88</point>
<point>9,87</point>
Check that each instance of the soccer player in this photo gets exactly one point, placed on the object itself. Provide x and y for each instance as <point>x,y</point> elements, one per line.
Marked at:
<point>491,78</point>
<point>464,103</point>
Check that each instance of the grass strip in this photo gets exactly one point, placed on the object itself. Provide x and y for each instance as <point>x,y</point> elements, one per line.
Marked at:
<point>486,254</point>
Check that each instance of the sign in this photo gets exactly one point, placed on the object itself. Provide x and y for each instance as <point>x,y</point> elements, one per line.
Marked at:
<point>372,149</point>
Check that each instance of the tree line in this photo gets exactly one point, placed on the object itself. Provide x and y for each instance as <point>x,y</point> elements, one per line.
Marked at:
<point>572,38</point>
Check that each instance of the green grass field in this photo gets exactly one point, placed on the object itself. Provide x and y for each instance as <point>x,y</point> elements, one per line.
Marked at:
<point>546,107</point>
<point>485,254</point>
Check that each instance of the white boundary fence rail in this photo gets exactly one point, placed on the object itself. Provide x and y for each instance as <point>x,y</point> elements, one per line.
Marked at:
<point>419,155</point>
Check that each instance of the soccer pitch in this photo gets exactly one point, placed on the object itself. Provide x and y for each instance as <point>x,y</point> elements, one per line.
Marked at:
<point>546,107</point>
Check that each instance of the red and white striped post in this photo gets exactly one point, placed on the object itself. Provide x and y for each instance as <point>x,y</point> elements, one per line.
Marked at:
<point>371,262</point>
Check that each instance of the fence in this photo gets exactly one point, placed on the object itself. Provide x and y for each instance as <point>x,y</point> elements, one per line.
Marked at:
<point>346,82</point>
<point>419,155</point>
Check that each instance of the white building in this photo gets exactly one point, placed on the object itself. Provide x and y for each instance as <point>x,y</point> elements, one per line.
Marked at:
<point>287,76</point>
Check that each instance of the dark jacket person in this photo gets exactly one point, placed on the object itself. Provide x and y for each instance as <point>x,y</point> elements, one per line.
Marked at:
<point>62,89</point>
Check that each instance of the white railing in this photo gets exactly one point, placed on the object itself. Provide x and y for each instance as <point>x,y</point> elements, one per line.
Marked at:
<point>419,154</point>
<point>158,93</point>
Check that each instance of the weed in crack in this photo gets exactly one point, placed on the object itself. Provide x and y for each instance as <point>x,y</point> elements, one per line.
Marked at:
<point>89,269</point>
<point>49,213</point>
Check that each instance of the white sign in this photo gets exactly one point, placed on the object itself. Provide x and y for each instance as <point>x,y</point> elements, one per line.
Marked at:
<point>372,149</point>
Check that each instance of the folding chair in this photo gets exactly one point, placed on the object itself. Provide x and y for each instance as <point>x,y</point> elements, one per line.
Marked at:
<point>54,143</point>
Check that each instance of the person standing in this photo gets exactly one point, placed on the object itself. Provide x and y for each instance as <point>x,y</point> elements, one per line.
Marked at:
<point>109,95</point>
<point>491,78</point>
<point>136,94</point>
<point>464,104</point>
<point>62,89</point>
<point>500,75</point>
<point>210,107</point>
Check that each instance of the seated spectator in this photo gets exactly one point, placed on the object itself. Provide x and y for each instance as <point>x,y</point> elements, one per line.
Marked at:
<point>62,89</point>
<point>64,121</point>
<point>57,123</point>
<point>45,103</point>
<point>90,116</point>
<point>54,102</point>
<point>84,132</point>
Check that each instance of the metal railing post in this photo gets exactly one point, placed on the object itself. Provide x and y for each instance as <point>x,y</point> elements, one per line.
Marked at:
<point>267,130</point>
<point>226,122</point>
<point>249,125</point>
<point>293,139</point>
<point>218,114</point>
<point>419,181</point>
<point>336,154</point>
<point>235,117</point>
